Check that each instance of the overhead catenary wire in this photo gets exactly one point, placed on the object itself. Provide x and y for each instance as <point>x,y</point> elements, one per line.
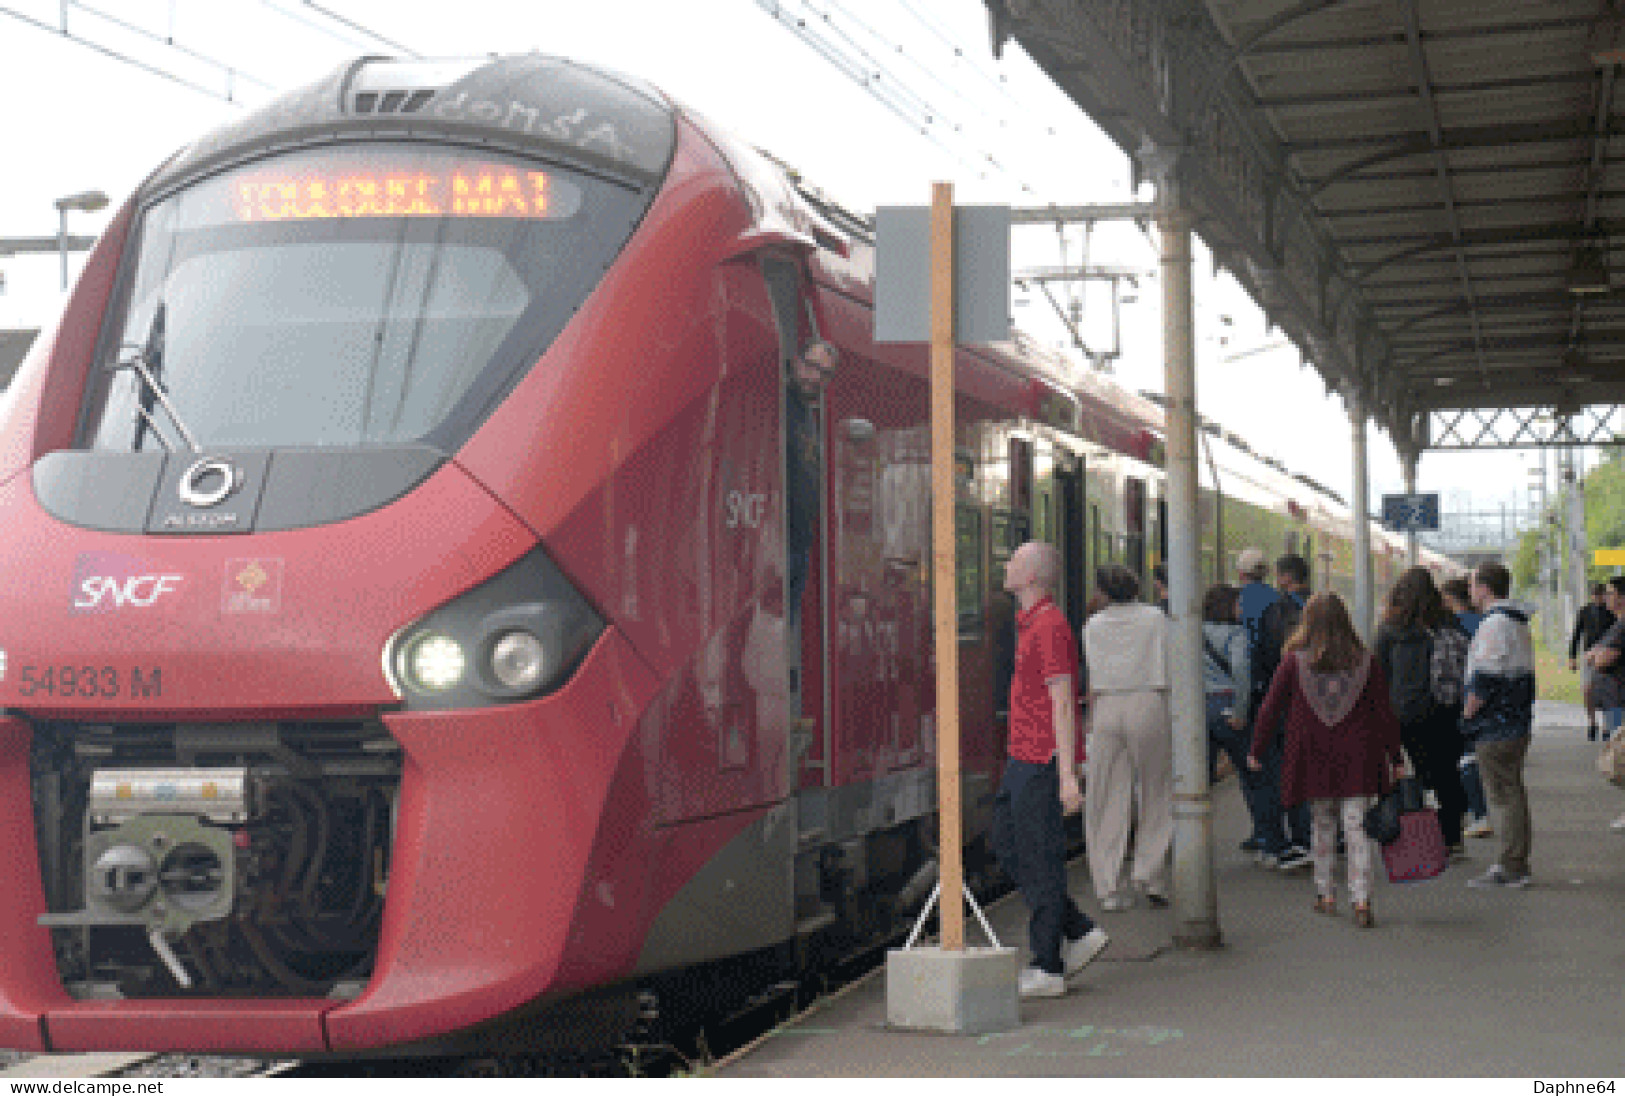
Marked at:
<point>318,26</point>
<point>124,58</point>
<point>231,72</point>
<point>877,78</point>
<point>869,81</point>
<point>353,25</point>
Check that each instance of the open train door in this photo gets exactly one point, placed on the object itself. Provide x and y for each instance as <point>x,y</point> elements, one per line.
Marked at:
<point>806,508</point>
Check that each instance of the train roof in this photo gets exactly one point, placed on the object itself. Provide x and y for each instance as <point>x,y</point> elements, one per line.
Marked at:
<point>530,103</point>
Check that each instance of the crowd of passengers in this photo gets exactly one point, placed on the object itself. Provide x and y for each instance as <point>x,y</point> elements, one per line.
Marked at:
<point>1316,723</point>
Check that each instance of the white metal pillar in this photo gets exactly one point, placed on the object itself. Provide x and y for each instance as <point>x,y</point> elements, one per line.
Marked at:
<point>1364,593</point>
<point>1196,907</point>
<point>1412,548</point>
<point>1578,557</point>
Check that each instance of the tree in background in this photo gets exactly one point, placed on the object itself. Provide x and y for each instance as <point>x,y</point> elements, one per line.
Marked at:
<point>1605,522</point>
<point>1605,509</point>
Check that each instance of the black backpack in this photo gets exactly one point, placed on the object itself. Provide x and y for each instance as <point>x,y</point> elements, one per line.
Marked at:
<point>1280,620</point>
<point>1410,676</point>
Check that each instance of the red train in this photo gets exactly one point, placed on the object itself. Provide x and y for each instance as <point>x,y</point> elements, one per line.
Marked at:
<point>394,651</point>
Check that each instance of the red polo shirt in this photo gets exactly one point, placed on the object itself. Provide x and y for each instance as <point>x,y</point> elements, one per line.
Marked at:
<point>1045,649</point>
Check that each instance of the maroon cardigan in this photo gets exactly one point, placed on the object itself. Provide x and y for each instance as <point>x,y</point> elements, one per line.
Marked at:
<point>1346,759</point>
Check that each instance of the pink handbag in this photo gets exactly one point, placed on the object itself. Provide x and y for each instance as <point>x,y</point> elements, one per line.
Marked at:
<point>1419,853</point>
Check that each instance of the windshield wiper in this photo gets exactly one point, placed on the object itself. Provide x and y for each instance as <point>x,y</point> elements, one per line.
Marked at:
<point>147,362</point>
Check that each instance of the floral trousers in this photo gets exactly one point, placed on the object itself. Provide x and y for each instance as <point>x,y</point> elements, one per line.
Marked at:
<point>1324,814</point>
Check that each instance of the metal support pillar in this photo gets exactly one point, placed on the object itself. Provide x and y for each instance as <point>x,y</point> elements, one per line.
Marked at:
<point>1577,530</point>
<point>1412,548</point>
<point>1196,907</point>
<point>1364,580</point>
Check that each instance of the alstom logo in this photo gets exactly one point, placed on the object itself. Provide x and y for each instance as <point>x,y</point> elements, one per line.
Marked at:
<point>103,582</point>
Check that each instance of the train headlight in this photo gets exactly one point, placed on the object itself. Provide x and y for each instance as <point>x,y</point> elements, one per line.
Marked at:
<point>516,636</point>
<point>435,663</point>
<point>518,661</point>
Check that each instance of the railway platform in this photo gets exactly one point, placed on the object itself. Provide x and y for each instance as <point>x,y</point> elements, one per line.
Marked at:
<point>1452,981</point>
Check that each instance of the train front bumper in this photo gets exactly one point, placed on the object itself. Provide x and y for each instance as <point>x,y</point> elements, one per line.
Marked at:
<point>500,810</point>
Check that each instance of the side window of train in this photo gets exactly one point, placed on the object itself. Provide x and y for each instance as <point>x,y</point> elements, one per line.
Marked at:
<point>970,581</point>
<point>1097,540</point>
<point>1134,531</point>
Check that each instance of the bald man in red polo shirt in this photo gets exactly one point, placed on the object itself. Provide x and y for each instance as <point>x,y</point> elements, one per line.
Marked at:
<point>1040,780</point>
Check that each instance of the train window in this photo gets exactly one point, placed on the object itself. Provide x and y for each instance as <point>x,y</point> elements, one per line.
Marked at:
<point>1021,474</point>
<point>1010,531</point>
<point>370,294</point>
<point>970,583</point>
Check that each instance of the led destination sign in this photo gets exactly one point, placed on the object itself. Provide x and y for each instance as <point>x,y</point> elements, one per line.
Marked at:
<point>452,189</point>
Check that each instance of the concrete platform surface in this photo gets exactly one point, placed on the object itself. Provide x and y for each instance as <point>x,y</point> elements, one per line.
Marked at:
<point>1451,982</point>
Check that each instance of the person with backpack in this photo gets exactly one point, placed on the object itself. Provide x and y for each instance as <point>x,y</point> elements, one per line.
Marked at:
<point>1342,742</point>
<point>1416,627</point>
<point>1276,624</point>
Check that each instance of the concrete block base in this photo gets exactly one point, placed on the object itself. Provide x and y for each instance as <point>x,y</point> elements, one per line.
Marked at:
<point>970,992</point>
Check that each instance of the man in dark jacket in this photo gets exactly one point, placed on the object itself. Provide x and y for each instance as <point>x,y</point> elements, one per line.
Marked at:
<point>1591,623</point>
<point>1275,625</point>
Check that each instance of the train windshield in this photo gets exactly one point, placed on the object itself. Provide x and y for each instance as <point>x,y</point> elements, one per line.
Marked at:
<point>360,296</point>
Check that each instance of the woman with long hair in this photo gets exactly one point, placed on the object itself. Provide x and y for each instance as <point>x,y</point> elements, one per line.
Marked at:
<point>1413,623</point>
<point>1342,742</point>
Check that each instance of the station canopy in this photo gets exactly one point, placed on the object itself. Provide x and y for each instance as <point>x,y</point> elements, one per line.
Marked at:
<point>1423,194</point>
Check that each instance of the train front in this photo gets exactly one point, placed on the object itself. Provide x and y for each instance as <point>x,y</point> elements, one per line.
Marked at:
<point>293,697</point>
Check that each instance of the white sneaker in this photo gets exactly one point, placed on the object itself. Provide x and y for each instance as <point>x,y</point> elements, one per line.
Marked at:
<point>1293,859</point>
<point>1498,878</point>
<point>1479,827</point>
<point>1040,983</point>
<point>1117,903</point>
<point>1079,953</point>
<point>1618,824</point>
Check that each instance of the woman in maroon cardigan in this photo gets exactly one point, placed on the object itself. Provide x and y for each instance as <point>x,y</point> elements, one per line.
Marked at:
<point>1342,741</point>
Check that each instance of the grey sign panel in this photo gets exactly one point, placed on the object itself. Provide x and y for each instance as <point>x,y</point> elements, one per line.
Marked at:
<point>981,274</point>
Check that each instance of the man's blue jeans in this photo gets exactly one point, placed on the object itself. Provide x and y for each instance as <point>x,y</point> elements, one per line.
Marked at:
<point>1273,821</point>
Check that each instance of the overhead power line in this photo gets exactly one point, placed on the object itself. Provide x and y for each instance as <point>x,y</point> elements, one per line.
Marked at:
<point>232,76</point>
<point>231,72</point>
<point>107,51</point>
<point>868,74</point>
<point>332,16</point>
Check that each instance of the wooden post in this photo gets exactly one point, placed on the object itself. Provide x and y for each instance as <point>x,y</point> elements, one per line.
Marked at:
<point>950,840</point>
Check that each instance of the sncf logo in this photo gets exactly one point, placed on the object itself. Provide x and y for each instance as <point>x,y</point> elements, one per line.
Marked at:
<point>104,582</point>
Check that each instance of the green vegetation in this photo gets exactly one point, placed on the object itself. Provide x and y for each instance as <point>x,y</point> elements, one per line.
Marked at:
<point>1553,680</point>
<point>1605,522</point>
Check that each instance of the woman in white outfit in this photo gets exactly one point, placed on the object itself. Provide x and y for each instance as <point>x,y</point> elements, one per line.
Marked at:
<point>1130,744</point>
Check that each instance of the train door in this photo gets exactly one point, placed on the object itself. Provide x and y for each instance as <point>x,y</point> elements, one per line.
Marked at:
<point>806,508</point>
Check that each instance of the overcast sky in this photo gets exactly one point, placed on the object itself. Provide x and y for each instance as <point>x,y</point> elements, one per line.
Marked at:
<point>77,119</point>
